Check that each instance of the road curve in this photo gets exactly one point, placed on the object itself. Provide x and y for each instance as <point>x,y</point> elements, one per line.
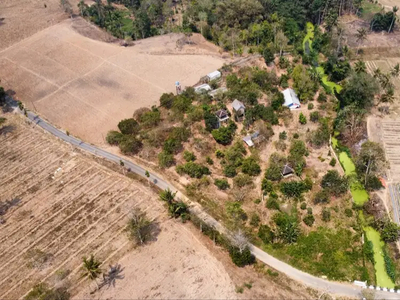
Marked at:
<point>323,285</point>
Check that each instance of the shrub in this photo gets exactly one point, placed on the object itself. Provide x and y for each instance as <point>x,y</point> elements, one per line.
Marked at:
<point>166,100</point>
<point>294,188</point>
<point>235,211</point>
<point>373,183</point>
<point>128,126</point>
<point>348,212</point>
<point>326,215</point>
<point>172,145</point>
<point>314,116</point>
<point>130,145</point>
<point>241,258</point>
<point>272,203</point>
<point>210,120</point>
<point>193,170</point>
<point>322,97</point>
<point>251,167</point>
<point>223,135</point>
<point>267,186</point>
<point>277,101</point>
<point>255,220</point>
<point>389,265</point>
<point>332,162</point>
<point>114,137</point>
<point>165,160</point>
<point>268,55</point>
<point>303,205</point>
<point>230,171</point>
<point>209,160</point>
<point>309,211</point>
<point>180,134</point>
<point>309,220</point>
<point>221,184</point>
<point>296,135</point>
<point>266,234</point>
<point>310,106</point>
<point>181,104</point>
<point>189,156</point>
<point>219,154</point>
<point>150,118</point>
<point>321,197</point>
<point>368,250</point>
<point>242,180</point>
<point>302,119</point>
<point>283,135</point>
<point>42,291</point>
<point>178,209</point>
<point>334,183</point>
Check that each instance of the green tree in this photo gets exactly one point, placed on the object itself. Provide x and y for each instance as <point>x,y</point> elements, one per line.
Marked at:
<point>165,159</point>
<point>167,100</point>
<point>303,84</point>
<point>189,156</point>
<point>142,24</point>
<point>266,234</point>
<point>114,137</point>
<point>250,166</point>
<point>302,119</point>
<point>390,232</point>
<point>360,67</point>
<point>370,160</point>
<point>240,257</point>
<point>128,126</point>
<point>130,145</point>
<point>221,184</point>
<point>167,195</point>
<point>334,183</point>
<point>360,91</point>
<point>223,135</point>
<point>139,227</point>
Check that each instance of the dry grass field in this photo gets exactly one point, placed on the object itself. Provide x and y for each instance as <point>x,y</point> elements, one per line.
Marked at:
<point>63,205</point>
<point>87,86</point>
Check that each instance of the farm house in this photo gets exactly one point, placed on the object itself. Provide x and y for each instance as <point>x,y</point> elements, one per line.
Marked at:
<point>291,99</point>
<point>213,75</point>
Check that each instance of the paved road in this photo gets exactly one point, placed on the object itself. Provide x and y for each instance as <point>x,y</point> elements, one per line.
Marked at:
<point>330,287</point>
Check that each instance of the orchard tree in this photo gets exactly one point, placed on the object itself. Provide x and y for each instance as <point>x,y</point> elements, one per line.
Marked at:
<point>371,160</point>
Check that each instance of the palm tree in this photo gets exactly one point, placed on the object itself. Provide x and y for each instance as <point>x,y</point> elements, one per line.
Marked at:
<point>167,196</point>
<point>361,36</point>
<point>395,9</point>
<point>388,96</point>
<point>360,67</point>
<point>395,71</point>
<point>82,7</point>
<point>91,268</point>
<point>377,73</point>
<point>315,75</point>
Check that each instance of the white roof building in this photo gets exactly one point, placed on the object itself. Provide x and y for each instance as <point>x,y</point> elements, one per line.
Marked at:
<point>237,105</point>
<point>214,75</point>
<point>202,88</point>
<point>291,99</point>
<point>221,90</point>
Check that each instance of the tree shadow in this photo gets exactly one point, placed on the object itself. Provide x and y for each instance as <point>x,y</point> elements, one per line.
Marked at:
<point>114,273</point>
<point>10,104</point>
<point>2,21</point>
<point>153,232</point>
<point>6,205</point>
<point>7,129</point>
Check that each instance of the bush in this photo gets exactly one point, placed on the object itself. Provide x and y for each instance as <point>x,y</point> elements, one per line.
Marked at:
<point>373,183</point>
<point>150,118</point>
<point>267,186</point>
<point>314,116</point>
<point>221,184</point>
<point>193,170</point>
<point>321,197</point>
<point>172,146</point>
<point>255,220</point>
<point>242,180</point>
<point>266,234</point>
<point>389,265</point>
<point>114,137</point>
<point>309,220</point>
<point>130,145</point>
<point>335,184</point>
<point>241,258</point>
<point>283,135</point>
<point>128,126</point>
<point>302,119</point>
<point>235,211</point>
<point>165,160</point>
<point>42,291</point>
<point>368,250</point>
<point>223,135</point>
<point>348,212</point>
<point>178,209</point>
<point>326,215</point>
<point>180,134</point>
<point>294,188</point>
<point>251,167</point>
<point>309,210</point>
<point>296,135</point>
<point>303,206</point>
<point>189,156</point>
<point>332,162</point>
<point>310,106</point>
<point>219,154</point>
<point>277,101</point>
<point>210,120</point>
<point>272,203</point>
<point>209,160</point>
<point>390,232</point>
<point>268,55</point>
<point>322,97</point>
<point>166,100</point>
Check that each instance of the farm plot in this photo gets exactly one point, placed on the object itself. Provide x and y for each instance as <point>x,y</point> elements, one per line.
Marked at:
<point>57,205</point>
<point>87,86</point>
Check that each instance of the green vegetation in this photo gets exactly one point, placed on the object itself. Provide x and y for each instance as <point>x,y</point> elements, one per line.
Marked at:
<point>42,291</point>
<point>222,184</point>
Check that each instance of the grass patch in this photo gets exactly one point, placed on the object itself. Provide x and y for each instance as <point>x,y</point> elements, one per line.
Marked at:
<point>335,254</point>
<point>332,85</point>
<point>309,37</point>
<point>369,9</point>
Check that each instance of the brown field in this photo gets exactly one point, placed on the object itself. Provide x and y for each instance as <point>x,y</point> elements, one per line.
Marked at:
<point>67,206</point>
<point>87,86</point>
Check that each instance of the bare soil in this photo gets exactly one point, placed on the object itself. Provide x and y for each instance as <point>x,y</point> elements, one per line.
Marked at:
<point>87,86</point>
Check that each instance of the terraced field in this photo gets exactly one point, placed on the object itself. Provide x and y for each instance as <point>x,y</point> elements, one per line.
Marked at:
<point>385,65</point>
<point>57,206</point>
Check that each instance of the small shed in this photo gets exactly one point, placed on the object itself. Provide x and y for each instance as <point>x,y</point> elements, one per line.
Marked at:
<point>202,88</point>
<point>287,171</point>
<point>220,90</point>
<point>291,99</point>
<point>249,142</point>
<point>238,107</point>
<point>222,116</point>
<point>213,75</point>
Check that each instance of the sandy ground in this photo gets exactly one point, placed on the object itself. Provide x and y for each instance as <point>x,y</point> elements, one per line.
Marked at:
<point>65,206</point>
<point>87,86</point>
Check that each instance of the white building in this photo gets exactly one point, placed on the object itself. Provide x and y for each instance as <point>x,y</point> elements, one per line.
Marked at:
<point>213,75</point>
<point>202,88</point>
<point>291,99</point>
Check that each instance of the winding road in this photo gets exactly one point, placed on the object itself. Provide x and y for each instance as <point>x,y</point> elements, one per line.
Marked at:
<point>330,287</point>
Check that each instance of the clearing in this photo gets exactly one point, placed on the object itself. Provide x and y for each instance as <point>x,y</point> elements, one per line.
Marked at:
<point>87,86</point>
